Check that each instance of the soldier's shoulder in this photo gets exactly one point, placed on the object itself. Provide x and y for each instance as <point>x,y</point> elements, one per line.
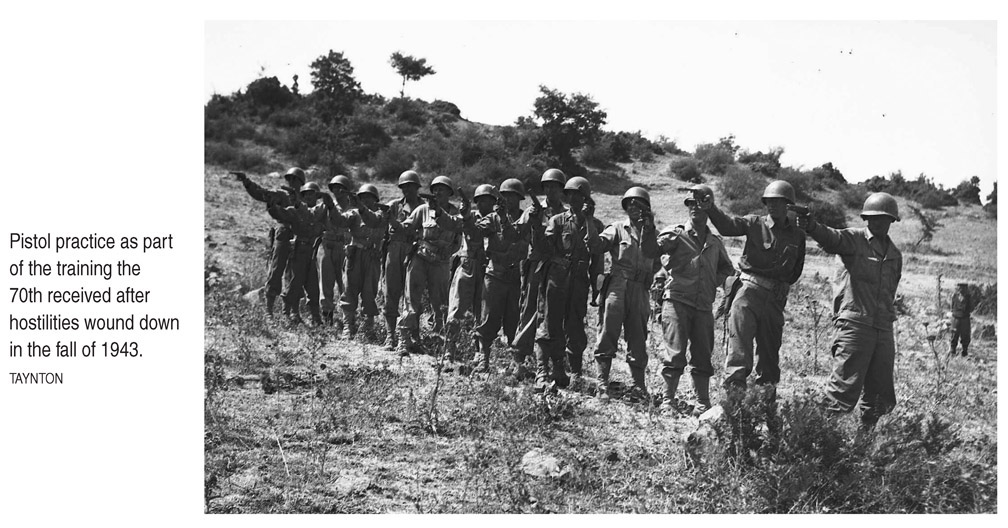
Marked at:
<point>674,230</point>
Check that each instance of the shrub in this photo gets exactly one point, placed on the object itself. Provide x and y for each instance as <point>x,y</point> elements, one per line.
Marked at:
<point>803,182</point>
<point>853,196</point>
<point>829,214</point>
<point>597,154</point>
<point>228,129</point>
<point>267,92</point>
<point>391,161</point>
<point>714,158</point>
<point>742,189</point>
<point>767,164</point>
<point>234,157</point>
<point>668,146</point>
<point>361,138</point>
<point>445,107</point>
<point>829,176</point>
<point>407,111</point>
<point>968,191</point>
<point>686,169</point>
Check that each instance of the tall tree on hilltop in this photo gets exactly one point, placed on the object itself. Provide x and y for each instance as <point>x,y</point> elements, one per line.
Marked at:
<point>337,90</point>
<point>409,68</point>
<point>568,121</point>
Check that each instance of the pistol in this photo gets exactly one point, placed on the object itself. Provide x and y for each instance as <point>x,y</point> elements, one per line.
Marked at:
<point>801,210</point>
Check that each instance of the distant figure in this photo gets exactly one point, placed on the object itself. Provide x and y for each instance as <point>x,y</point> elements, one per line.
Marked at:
<point>962,307</point>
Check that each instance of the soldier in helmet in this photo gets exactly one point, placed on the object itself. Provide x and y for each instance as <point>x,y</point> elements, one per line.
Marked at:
<point>696,264</point>
<point>438,225</point>
<point>279,235</point>
<point>397,250</point>
<point>367,229</point>
<point>466,292</point>
<point>962,307</point>
<point>506,249</point>
<point>563,301</point>
<point>626,292</point>
<point>332,254</point>
<point>532,226</point>
<point>864,311</point>
<point>772,260</point>
<point>306,220</point>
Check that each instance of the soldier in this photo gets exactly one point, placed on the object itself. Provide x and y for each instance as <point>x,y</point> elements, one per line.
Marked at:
<point>531,226</point>
<point>306,220</point>
<point>626,291</point>
<point>280,234</point>
<point>696,263</point>
<point>438,223</point>
<point>772,260</point>
<point>398,247</point>
<point>363,267</point>
<point>502,285</point>
<point>563,296</point>
<point>962,307</point>
<point>332,254</point>
<point>466,293</point>
<point>864,309</point>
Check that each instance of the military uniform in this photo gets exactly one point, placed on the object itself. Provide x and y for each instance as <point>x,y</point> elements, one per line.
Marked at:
<point>467,281</point>
<point>331,259</point>
<point>962,307</point>
<point>626,304</point>
<point>865,292</point>
<point>307,224</point>
<point>280,236</point>
<point>772,260</point>
<point>399,246</point>
<point>502,286</point>
<point>429,268</point>
<point>531,226</point>
<point>363,269</point>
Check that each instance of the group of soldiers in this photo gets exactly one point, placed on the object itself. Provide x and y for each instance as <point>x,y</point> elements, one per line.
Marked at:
<point>530,273</point>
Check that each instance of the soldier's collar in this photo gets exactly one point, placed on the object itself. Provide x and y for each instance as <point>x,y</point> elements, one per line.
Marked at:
<point>771,223</point>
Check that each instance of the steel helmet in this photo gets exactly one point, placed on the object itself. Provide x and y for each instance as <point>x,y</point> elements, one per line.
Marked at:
<point>578,183</point>
<point>881,203</point>
<point>553,175</point>
<point>367,188</point>
<point>484,190</point>
<point>513,185</point>
<point>635,192</point>
<point>342,181</point>
<point>779,189</point>
<point>296,173</point>
<point>311,186</point>
<point>409,177</point>
<point>443,180</point>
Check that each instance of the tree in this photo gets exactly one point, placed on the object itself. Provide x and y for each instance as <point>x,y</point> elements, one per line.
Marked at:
<point>968,191</point>
<point>568,121</point>
<point>268,92</point>
<point>410,68</point>
<point>337,90</point>
<point>991,205</point>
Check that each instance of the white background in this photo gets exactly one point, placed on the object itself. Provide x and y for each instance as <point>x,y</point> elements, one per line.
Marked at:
<point>102,132</point>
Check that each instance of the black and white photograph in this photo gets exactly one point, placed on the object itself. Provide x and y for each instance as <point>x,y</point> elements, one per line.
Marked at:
<point>599,266</point>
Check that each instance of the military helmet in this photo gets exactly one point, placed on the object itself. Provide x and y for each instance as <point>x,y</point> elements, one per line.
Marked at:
<point>409,177</point>
<point>443,180</point>
<point>513,185</point>
<point>368,188</point>
<point>577,183</point>
<point>639,193</point>
<point>779,189</point>
<point>881,203</point>
<point>484,190</point>
<point>311,186</point>
<point>553,175</point>
<point>342,181</point>
<point>296,173</point>
<point>701,191</point>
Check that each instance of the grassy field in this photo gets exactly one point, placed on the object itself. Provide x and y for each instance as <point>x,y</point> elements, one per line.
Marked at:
<point>302,421</point>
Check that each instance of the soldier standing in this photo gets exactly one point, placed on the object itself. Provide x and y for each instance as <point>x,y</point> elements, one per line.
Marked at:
<point>502,285</point>
<point>466,292</point>
<point>772,260</point>
<point>306,220</point>
<point>438,223</point>
<point>531,225</point>
<point>563,296</point>
<point>863,348</point>
<point>626,305</point>
<point>280,234</point>
<point>696,264</point>
<point>331,255</point>
<point>962,307</point>
<point>398,247</point>
<point>363,267</point>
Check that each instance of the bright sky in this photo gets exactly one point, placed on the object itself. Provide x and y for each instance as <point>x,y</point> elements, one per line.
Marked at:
<point>871,97</point>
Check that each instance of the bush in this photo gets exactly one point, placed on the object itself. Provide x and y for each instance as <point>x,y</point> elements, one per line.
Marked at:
<point>228,129</point>
<point>686,169</point>
<point>767,164</point>
<point>391,161</point>
<point>597,154</point>
<point>741,188</point>
<point>234,157</point>
<point>828,176</point>
<point>803,182</point>
<point>668,146</point>
<point>444,107</point>
<point>361,138</point>
<point>829,214</point>
<point>714,158</point>
<point>853,196</point>
<point>407,111</point>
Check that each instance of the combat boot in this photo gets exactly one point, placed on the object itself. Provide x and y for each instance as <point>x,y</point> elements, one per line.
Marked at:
<point>366,330</point>
<point>270,303</point>
<point>349,324</point>
<point>517,367</point>
<point>327,317</point>
<point>669,402</point>
<point>316,316</point>
<point>390,334</point>
<point>406,344</point>
<point>701,384</point>
<point>602,391</point>
<point>482,363</point>
<point>638,393</point>
<point>560,376</point>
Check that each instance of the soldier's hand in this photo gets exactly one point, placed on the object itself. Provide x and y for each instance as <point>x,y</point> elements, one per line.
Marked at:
<point>240,176</point>
<point>806,223</point>
<point>289,190</point>
<point>466,205</point>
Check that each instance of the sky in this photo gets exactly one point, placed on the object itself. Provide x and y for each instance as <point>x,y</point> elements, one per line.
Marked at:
<point>872,97</point>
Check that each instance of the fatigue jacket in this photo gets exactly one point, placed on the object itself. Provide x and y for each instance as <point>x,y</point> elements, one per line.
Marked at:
<point>773,250</point>
<point>271,197</point>
<point>962,305</point>
<point>475,228</point>
<point>632,251</point>
<point>438,236</point>
<point>865,288</point>
<point>336,232</point>
<point>566,244</point>
<point>533,227</point>
<point>505,247</point>
<point>694,268</point>
<point>306,222</point>
<point>367,233</point>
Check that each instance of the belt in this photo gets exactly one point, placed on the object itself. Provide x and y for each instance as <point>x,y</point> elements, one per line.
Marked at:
<point>764,282</point>
<point>366,248</point>
<point>640,275</point>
